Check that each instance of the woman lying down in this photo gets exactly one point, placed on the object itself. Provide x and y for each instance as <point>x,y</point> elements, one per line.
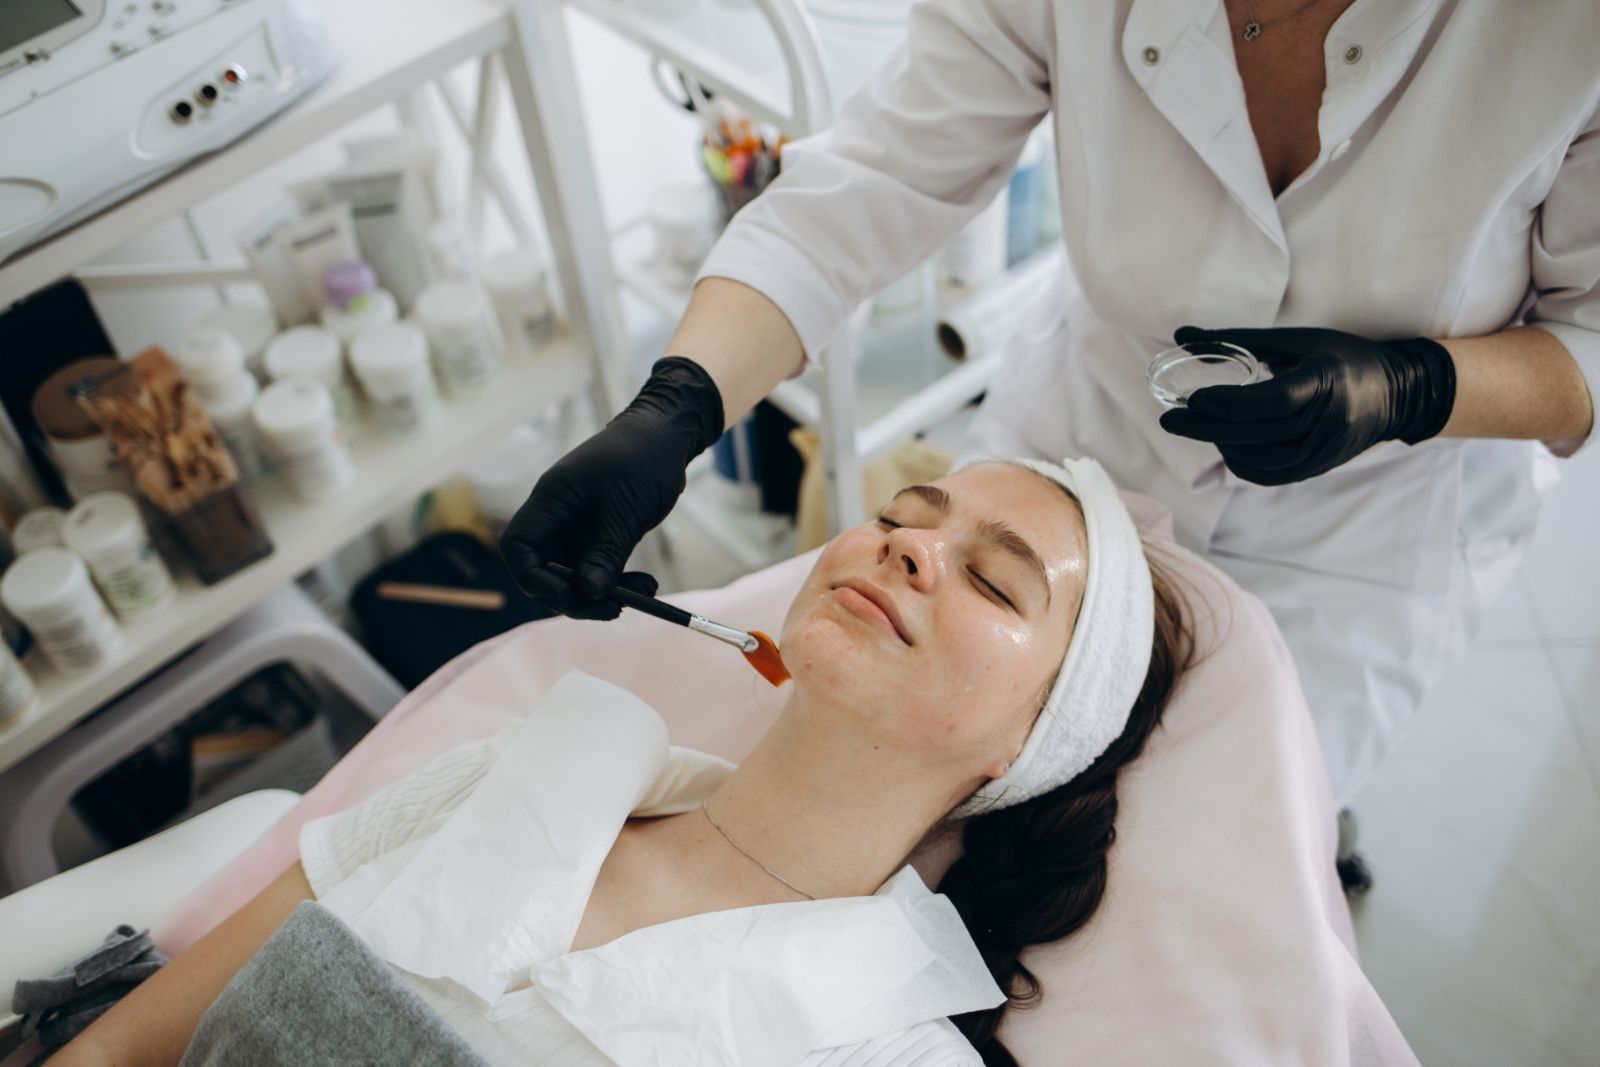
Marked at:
<point>575,891</point>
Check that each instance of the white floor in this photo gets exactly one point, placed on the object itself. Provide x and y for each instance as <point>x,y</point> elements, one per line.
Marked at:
<point>1482,933</point>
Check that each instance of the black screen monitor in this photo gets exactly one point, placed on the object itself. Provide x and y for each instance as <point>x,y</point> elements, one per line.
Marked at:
<point>23,20</point>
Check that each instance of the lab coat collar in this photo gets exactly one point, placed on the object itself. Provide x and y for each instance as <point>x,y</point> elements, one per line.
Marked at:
<point>1387,36</point>
<point>1181,53</point>
<point>1192,80</point>
<point>500,889</point>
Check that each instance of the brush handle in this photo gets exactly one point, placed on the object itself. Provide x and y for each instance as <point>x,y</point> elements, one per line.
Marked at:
<point>737,638</point>
<point>637,601</point>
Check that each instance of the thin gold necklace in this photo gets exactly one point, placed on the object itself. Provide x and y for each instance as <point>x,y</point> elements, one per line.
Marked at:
<point>704,808</point>
<point>1252,25</point>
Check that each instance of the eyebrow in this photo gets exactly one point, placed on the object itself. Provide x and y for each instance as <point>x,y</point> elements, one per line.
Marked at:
<point>994,531</point>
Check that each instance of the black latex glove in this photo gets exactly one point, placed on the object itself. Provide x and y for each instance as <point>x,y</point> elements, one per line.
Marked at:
<point>593,506</point>
<point>1332,396</point>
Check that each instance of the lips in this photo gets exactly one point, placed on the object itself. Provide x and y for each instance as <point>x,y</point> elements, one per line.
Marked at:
<point>878,599</point>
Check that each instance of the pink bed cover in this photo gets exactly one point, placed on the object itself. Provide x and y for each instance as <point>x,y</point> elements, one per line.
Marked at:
<point>1224,938</point>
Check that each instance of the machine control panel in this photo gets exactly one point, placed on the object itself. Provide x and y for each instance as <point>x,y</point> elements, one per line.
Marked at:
<point>48,44</point>
<point>145,85</point>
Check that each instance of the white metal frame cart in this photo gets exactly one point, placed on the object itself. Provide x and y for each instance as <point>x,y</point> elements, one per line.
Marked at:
<point>764,56</point>
<point>420,42</point>
<point>761,54</point>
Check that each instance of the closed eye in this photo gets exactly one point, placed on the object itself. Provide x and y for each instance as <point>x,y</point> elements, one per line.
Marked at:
<point>979,580</point>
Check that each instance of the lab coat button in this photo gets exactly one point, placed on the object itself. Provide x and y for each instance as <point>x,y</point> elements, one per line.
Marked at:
<point>1352,54</point>
<point>1339,149</point>
<point>1152,56</point>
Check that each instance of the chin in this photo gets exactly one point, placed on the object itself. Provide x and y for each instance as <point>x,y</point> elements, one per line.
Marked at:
<point>828,651</point>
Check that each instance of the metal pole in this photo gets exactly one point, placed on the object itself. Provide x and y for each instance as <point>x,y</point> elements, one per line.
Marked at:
<point>538,61</point>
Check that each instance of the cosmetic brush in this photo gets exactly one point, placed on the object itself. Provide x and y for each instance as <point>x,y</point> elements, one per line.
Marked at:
<point>760,651</point>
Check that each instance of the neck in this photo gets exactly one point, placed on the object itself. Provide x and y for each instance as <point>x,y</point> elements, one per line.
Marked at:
<point>832,813</point>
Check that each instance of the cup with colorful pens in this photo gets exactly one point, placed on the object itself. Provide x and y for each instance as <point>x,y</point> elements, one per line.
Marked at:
<point>740,159</point>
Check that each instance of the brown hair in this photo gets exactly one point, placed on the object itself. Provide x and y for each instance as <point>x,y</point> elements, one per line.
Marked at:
<point>1035,872</point>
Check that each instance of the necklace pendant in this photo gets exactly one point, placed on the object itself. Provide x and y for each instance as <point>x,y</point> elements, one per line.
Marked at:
<point>1252,30</point>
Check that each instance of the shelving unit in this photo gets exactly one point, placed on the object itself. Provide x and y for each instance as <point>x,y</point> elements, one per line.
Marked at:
<point>389,475</point>
<point>764,55</point>
<point>387,51</point>
<point>374,69</point>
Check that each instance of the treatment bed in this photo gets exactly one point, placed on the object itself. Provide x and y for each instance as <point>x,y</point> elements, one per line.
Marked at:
<point>1224,937</point>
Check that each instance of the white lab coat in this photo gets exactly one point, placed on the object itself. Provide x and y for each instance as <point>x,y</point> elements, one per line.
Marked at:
<point>1457,186</point>
<point>471,876</point>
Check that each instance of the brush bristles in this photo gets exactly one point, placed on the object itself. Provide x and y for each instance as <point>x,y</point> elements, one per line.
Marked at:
<point>765,659</point>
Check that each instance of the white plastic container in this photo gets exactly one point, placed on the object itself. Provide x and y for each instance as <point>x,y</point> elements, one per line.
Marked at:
<point>518,285</point>
<point>80,449</point>
<point>107,531</point>
<point>39,528</point>
<point>252,325</point>
<point>1022,198</point>
<point>50,592</point>
<point>314,354</point>
<point>355,304</point>
<point>209,358</point>
<point>17,693</point>
<point>391,362</point>
<point>213,363</point>
<point>297,421</point>
<point>233,415</point>
<point>459,321</point>
<point>502,480</point>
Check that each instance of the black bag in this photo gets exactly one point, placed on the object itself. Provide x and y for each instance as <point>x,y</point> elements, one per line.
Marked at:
<point>412,640</point>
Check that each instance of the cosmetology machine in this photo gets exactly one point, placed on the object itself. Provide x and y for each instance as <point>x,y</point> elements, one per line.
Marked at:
<point>109,95</point>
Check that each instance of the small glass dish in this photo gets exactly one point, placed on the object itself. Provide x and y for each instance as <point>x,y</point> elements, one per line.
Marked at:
<point>1177,372</point>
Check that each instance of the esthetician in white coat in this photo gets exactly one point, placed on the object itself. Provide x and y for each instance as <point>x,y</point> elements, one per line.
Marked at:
<point>1385,172</point>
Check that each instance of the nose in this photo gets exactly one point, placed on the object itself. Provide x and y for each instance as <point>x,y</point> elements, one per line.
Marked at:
<point>914,553</point>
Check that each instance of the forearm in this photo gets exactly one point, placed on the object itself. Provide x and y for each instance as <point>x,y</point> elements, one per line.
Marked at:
<point>1518,383</point>
<point>156,1021</point>
<point>742,340</point>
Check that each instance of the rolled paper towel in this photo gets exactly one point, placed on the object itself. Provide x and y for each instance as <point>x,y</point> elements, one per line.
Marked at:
<point>983,323</point>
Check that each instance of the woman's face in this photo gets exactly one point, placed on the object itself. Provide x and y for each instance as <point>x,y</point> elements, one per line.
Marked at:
<point>939,625</point>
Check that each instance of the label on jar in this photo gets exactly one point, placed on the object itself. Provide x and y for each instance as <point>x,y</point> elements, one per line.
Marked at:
<point>405,412</point>
<point>79,643</point>
<point>249,454</point>
<point>91,460</point>
<point>315,474</point>
<point>466,361</point>
<point>537,329</point>
<point>346,406</point>
<point>134,585</point>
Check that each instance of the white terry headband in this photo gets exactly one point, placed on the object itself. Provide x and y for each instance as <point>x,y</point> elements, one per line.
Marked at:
<point>1108,655</point>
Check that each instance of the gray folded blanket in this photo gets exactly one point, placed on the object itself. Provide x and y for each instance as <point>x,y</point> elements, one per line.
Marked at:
<point>62,1006</point>
<point>315,993</point>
